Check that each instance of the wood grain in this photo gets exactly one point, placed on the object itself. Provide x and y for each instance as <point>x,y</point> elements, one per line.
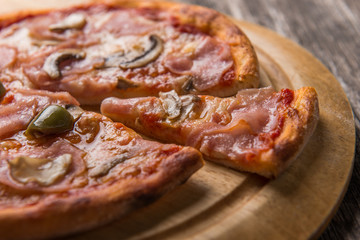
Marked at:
<point>330,30</point>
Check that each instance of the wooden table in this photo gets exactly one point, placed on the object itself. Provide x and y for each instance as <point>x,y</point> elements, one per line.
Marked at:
<point>330,30</point>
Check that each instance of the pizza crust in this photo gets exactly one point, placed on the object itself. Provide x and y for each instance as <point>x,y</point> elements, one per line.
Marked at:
<point>75,211</point>
<point>210,22</point>
<point>299,126</point>
<point>300,122</point>
<point>220,26</point>
<point>80,199</point>
<point>229,130</point>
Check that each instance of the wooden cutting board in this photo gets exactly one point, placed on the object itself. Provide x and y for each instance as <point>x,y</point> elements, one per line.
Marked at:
<point>219,203</point>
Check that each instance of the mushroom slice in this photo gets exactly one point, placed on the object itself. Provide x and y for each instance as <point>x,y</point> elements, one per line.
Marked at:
<point>43,171</point>
<point>188,104</point>
<point>148,56</point>
<point>103,168</point>
<point>2,90</point>
<point>113,60</point>
<point>171,104</point>
<point>121,59</point>
<point>188,86</point>
<point>75,111</point>
<point>73,21</point>
<point>178,108</point>
<point>124,83</point>
<point>52,62</point>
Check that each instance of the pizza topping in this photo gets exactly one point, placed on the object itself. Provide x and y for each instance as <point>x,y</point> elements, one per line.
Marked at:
<point>52,120</point>
<point>188,86</point>
<point>124,23</point>
<point>178,64</point>
<point>212,60</point>
<point>114,60</point>
<point>240,128</point>
<point>152,53</point>
<point>40,43</point>
<point>8,56</point>
<point>19,107</point>
<point>188,104</point>
<point>171,104</point>
<point>103,168</point>
<point>73,21</point>
<point>51,65</point>
<point>2,90</point>
<point>124,83</point>
<point>75,111</point>
<point>89,127</point>
<point>42,171</point>
<point>207,64</point>
<point>128,61</point>
<point>232,128</point>
<point>176,106</point>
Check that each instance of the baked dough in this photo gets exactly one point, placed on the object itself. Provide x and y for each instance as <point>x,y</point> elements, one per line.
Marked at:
<point>98,171</point>
<point>258,131</point>
<point>64,175</point>
<point>126,49</point>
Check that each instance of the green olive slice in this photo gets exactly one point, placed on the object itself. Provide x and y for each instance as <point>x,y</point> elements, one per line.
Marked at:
<point>52,120</point>
<point>2,90</point>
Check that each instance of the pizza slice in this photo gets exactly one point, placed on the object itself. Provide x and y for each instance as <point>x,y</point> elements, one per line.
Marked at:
<point>126,49</point>
<point>64,170</point>
<point>259,130</point>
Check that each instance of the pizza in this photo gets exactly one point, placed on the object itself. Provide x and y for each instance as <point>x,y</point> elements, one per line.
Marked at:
<point>127,49</point>
<point>60,165</point>
<point>172,72</point>
<point>258,130</point>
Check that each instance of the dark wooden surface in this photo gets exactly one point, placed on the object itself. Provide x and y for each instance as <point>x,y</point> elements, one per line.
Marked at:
<point>330,30</point>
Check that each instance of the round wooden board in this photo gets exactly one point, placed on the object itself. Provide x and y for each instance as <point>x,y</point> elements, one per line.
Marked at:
<point>219,203</point>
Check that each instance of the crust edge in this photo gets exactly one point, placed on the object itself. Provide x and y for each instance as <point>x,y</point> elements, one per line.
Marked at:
<point>300,123</point>
<point>216,24</point>
<point>299,126</point>
<point>76,213</point>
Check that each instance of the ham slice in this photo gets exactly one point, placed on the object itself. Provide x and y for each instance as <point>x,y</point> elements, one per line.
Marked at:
<point>8,56</point>
<point>178,64</point>
<point>122,23</point>
<point>210,61</point>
